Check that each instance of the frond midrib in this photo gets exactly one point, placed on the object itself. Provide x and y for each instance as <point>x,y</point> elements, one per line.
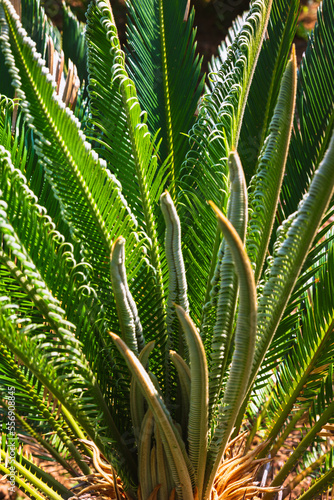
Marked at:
<point>166,87</point>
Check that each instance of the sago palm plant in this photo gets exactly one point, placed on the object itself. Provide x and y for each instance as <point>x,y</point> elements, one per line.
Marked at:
<point>166,257</point>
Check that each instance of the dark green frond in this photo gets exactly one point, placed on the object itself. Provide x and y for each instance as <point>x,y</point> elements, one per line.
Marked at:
<point>315,109</point>
<point>217,62</point>
<point>323,407</point>
<point>38,25</point>
<point>36,483</point>
<point>92,206</point>
<point>214,135</point>
<point>323,481</point>
<point>266,82</point>
<point>32,404</point>
<point>302,370</point>
<point>293,244</point>
<point>166,71</point>
<point>74,42</point>
<point>48,250</point>
<point>266,183</point>
<point>120,135</point>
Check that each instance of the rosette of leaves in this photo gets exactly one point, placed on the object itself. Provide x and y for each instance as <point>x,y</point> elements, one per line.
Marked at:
<point>166,258</point>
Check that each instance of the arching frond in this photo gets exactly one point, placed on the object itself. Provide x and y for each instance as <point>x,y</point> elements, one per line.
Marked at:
<point>121,136</point>
<point>100,213</point>
<point>297,240</point>
<point>39,26</point>
<point>215,134</point>
<point>266,83</point>
<point>266,184</point>
<point>314,122</point>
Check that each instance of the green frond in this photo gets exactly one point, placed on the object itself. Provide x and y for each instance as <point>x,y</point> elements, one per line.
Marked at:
<point>32,297</point>
<point>302,371</point>
<point>92,206</point>
<point>35,482</point>
<point>315,110</point>
<point>61,138</point>
<point>323,482</point>
<point>47,250</point>
<point>118,123</point>
<point>216,62</point>
<point>290,254</point>
<point>38,25</point>
<point>30,401</point>
<point>74,42</point>
<point>214,135</point>
<point>119,133</point>
<point>266,184</point>
<point>266,83</point>
<point>182,472</point>
<point>224,286</point>
<point>244,343</point>
<point>166,71</point>
<point>324,401</point>
<point>75,390</point>
<point>282,342</point>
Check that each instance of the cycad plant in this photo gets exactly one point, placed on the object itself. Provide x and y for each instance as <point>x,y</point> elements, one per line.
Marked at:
<point>166,258</point>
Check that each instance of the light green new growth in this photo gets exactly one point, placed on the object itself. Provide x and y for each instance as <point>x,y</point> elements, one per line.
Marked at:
<point>199,398</point>
<point>132,331</point>
<point>245,335</point>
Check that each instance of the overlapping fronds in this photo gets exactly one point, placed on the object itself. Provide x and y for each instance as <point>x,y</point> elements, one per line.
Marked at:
<point>118,123</point>
<point>301,373</point>
<point>121,136</point>
<point>48,250</point>
<point>31,243</point>
<point>166,70</point>
<point>74,43</point>
<point>314,122</point>
<point>100,212</point>
<point>321,413</point>
<point>33,481</point>
<point>41,412</point>
<point>98,282</point>
<point>283,341</point>
<point>216,62</point>
<point>179,463</point>
<point>220,311</point>
<point>266,184</point>
<point>294,243</point>
<point>244,343</point>
<point>323,482</point>
<point>214,135</point>
<point>265,86</point>
<point>39,26</point>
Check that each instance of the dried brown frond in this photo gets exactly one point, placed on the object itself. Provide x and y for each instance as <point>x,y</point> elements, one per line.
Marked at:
<point>103,484</point>
<point>236,476</point>
<point>235,480</point>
